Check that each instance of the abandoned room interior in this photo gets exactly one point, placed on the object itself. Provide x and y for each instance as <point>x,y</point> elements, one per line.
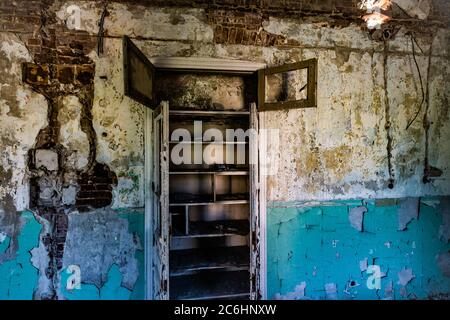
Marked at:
<point>225,149</point>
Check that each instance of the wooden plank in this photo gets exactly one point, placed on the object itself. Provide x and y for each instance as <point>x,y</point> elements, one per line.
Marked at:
<point>138,85</point>
<point>290,67</point>
<point>218,228</point>
<point>209,112</point>
<point>218,173</point>
<point>201,259</point>
<point>210,285</point>
<point>238,296</point>
<point>254,204</point>
<point>206,64</point>
<point>163,241</point>
<point>196,199</point>
<point>197,270</point>
<point>224,202</point>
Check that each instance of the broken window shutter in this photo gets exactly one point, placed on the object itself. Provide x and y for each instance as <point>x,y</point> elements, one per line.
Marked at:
<point>288,86</point>
<point>139,74</point>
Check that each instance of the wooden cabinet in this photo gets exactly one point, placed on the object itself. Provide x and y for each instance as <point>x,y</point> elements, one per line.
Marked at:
<point>209,207</point>
<point>205,218</point>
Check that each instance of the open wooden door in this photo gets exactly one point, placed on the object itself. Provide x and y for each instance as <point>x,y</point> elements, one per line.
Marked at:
<point>255,250</point>
<point>160,187</point>
<point>288,86</point>
<point>138,74</point>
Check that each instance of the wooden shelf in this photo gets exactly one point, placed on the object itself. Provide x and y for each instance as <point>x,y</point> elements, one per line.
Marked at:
<point>211,285</point>
<point>217,173</point>
<point>232,296</point>
<point>203,200</point>
<point>209,112</point>
<point>183,262</point>
<point>207,168</point>
<point>240,296</point>
<point>219,228</point>
<point>231,197</point>
<point>230,202</point>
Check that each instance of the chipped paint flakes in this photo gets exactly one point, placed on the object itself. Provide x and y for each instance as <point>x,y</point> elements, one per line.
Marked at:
<point>363,264</point>
<point>389,291</point>
<point>297,294</point>
<point>408,210</point>
<point>2,237</point>
<point>356,217</point>
<point>331,291</point>
<point>95,241</point>
<point>396,264</point>
<point>18,277</point>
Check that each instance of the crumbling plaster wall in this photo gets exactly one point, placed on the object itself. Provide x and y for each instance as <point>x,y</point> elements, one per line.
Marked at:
<point>339,150</point>
<point>50,164</point>
<point>320,251</point>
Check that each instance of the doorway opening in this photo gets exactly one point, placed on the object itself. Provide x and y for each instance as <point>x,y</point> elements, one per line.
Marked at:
<point>205,195</point>
<point>204,217</point>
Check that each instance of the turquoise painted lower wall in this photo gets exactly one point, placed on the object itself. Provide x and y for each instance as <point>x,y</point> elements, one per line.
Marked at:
<point>312,247</point>
<point>19,278</point>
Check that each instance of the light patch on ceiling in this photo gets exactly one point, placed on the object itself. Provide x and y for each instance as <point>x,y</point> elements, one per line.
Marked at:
<point>374,18</point>
<point>375,4</point>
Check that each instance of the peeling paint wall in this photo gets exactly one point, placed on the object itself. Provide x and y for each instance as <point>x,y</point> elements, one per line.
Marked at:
<point>354,145</point>
<point>316,247</point>
<point>354,101</point>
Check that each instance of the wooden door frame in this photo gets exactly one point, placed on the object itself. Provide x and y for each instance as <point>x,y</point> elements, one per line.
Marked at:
<point>210,65</point>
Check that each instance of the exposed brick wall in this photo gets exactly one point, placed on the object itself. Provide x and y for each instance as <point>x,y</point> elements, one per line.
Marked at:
<point>95,188</point>
<point>241,28</point>
<point>348,9</point>
<point>60,68</point>
<point>47,162</point>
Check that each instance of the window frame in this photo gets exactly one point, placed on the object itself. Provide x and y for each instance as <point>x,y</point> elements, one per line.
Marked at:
<point>130,50</point>
<point>309,102</point>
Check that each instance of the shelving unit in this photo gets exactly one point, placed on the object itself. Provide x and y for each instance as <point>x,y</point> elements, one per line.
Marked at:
<point>223,93</point>
<point>209,207</point>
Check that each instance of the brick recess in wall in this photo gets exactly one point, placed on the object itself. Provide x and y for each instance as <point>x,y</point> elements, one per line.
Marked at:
<point>241,28</point>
